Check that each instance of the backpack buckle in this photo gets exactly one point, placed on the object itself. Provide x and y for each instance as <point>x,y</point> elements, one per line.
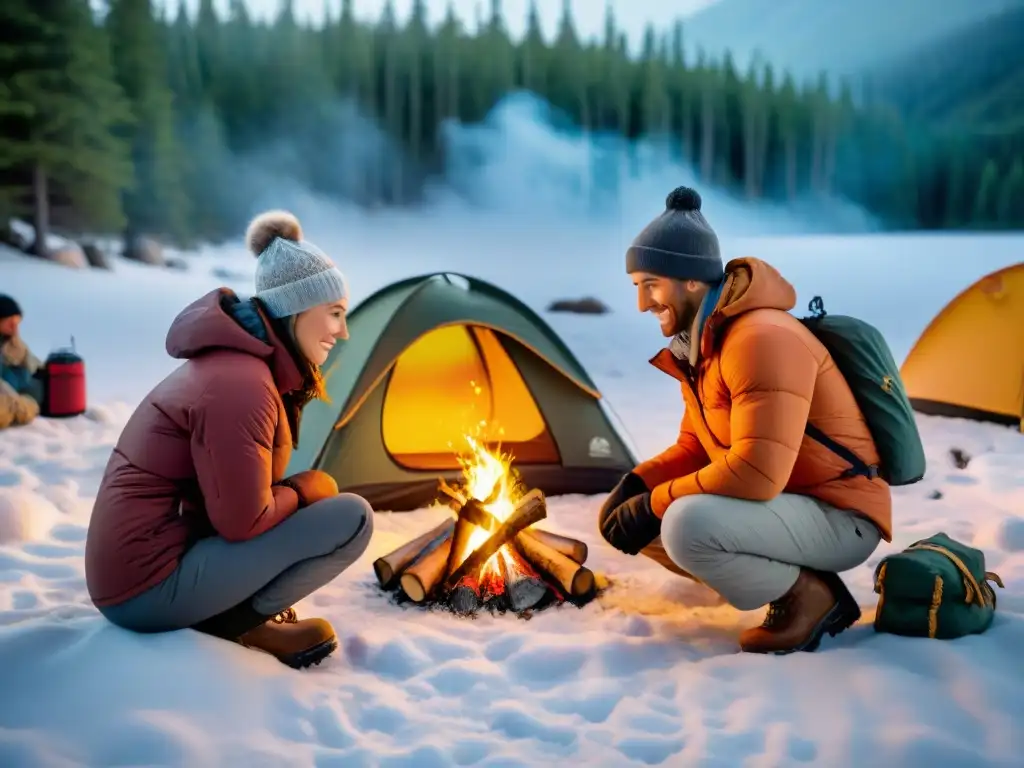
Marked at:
<point>817,307</point>
<point>870,471</point>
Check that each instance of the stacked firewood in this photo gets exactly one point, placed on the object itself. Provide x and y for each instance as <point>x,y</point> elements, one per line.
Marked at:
<point>534,566</point>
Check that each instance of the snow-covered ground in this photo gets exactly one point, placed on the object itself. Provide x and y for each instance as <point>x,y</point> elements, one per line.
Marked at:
<point>648,674</point>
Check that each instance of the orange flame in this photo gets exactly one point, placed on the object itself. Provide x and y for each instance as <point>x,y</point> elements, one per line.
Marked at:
<point>490,480</point>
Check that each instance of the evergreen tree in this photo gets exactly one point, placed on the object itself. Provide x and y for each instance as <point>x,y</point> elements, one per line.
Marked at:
<point>533,55</point>
<point>681,94</point>
<point>957,211</point>
<point>753,99</point>
<point>498,62</point>
<point>655,112</point>
<point>447,70</point>
<point>183,71</point>
<point>215,101</point>
<point>59,113</point>
<point>823,135</point>
<point>394,102</point>
<point>220,199</point>
<point>447,75</point>
<point>208,43</point>
<point>232,73</point>
<point>728,124</point>
<point>614,77</point>
<point>156,203</point>
<point>986,200</point>
<point>567,76</point>
<point>789,122</point>
<point>709,86</point>
<point>1010,205</point>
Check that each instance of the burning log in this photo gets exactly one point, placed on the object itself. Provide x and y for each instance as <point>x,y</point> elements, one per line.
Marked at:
<point>420,578</point>
<point>574,549</point>
<point>576,580</point>
<point>390,567</point>
<point>470,516</point>
<point>473,512</point>
<point>515,567</point>
<point>530,509</point>
<point>523,585</point>
<point>465,597</point>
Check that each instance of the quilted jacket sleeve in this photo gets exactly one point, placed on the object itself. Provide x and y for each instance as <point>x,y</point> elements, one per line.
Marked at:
<point>233,427</point>
<point>684,456</point>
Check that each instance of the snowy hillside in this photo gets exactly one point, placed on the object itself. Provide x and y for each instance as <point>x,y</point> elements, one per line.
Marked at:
<point>647,674</point>
<point>805,37</point>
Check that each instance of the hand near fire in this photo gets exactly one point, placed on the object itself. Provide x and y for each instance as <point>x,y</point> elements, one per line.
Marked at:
<point>311,486</point>
<point>627,521</point>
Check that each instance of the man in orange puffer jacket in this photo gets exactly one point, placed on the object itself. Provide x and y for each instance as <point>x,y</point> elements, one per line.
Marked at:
<point>743,501</point>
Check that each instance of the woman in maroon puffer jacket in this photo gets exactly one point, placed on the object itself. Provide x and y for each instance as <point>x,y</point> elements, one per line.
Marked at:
<point>194,525</point>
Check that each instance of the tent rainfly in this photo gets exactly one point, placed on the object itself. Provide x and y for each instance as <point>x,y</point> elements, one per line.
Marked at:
<point>431,358</point>
<point>969,362</point>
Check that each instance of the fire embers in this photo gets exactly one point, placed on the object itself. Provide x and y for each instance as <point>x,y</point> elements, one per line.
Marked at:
<point>491,555</point>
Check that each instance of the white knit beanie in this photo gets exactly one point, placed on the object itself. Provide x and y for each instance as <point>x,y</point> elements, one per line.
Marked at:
<point>292,275</point>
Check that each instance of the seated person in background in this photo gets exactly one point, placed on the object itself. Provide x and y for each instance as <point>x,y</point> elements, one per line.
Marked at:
<point>20,391</point>
<point>195,524</point>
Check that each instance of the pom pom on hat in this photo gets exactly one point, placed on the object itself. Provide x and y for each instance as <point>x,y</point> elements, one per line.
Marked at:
<point>683,199</point>
<point>266,227</point>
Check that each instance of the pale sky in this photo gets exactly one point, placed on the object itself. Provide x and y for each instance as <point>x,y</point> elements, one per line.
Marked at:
<point>589,14</point>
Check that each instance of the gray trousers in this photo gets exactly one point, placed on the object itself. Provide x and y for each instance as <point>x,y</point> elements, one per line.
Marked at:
<point>274,570</point>
<point>751,552</point>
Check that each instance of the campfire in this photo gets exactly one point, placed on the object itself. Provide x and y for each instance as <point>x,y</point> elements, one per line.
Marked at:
<point>489,555</point>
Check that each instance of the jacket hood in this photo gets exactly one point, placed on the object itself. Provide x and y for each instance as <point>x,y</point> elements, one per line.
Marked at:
<point>749,284</point>
<point>208,324</point>
<point>754,284</point>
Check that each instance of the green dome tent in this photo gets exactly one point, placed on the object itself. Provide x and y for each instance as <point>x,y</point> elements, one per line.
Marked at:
<point>432,358</point>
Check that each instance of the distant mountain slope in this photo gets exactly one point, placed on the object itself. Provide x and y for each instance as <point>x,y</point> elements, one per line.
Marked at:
<point>842,36</point>
<point>974,77</point>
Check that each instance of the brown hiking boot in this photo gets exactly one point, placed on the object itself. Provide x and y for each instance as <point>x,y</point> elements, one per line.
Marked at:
<point>297,643</point>
<point>816,604</point>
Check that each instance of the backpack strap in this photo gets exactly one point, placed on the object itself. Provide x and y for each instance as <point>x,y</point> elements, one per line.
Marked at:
<point>857,465</point>
<point>972,590</point>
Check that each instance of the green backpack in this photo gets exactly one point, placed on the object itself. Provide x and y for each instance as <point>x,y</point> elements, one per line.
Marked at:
<point>863,358</point>
<point>936,588</point>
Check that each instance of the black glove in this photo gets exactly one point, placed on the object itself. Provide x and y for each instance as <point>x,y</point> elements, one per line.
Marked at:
<point>632,525</point>
<point>629,486</point>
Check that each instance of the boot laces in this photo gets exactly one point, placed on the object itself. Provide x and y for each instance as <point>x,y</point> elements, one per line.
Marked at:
<point>287,616</point>
<point>777,610</point>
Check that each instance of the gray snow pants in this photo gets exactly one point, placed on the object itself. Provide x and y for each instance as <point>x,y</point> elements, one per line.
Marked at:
<point>751,552</point>
<point>267,574</point>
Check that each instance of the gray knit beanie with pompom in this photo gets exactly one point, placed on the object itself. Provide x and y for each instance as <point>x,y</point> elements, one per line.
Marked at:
<point>292,275</point>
